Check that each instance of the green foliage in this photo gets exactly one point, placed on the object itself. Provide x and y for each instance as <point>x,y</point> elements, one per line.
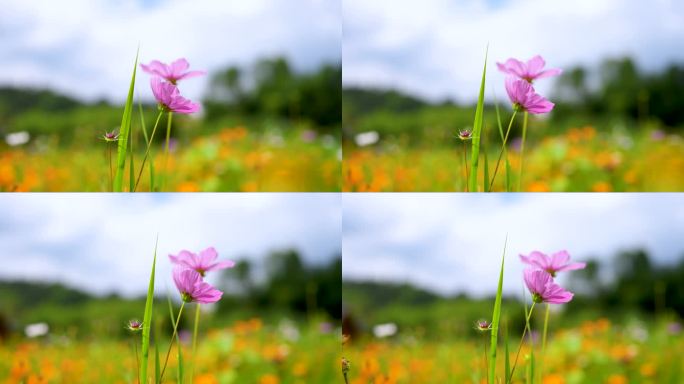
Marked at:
<point>272,88</point>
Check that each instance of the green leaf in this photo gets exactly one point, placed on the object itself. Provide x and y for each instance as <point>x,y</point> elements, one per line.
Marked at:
<point>124,132</point>
<point>147,319</point>
<point>477,131</point>
<point>496,318</point>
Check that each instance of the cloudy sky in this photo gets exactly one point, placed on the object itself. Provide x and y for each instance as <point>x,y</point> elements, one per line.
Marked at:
<point>87,47</point>
<point>436,48</point>
<point>105,242</point>
<point>453,242</point>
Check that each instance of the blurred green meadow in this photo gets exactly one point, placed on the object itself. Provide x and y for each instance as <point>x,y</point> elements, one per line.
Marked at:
<point>623,134</point>
<point>282,327</point>
<point>263,127</point>
<point>626,330</point>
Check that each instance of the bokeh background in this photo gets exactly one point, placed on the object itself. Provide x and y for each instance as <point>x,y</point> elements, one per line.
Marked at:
<point>420,269</point>
<point>412,74</point>
<point>270,103</point>
<point>76,269</point>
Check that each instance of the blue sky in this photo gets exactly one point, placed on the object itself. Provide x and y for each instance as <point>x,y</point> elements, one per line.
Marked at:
<point>86,48</point>
<point>453,242</point>
<point>104,242</point>
<point>436,48</point>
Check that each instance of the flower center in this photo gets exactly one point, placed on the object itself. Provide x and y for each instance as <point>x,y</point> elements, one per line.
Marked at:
<point>186,297</point>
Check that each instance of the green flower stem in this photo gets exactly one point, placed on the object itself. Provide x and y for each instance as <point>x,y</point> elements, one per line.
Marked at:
<point>137,362</point>
<point>503,147</point>
<point>522,339</point>
<point>546,327</point>
<point>194,342</point>
<point>111,171</point>
<point>173,337</point>
<point>522,151</point>
<point>465,163</point>
<point>147,151</point>
<point>166,150</point>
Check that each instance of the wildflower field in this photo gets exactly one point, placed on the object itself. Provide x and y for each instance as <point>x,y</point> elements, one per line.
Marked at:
<point>229,159</point>
<point>593,351</point>
<point>579,159</point>
<point>248,351</point>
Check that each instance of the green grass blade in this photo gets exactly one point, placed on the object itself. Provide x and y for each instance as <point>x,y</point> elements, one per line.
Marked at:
<point>124,132</point>
<point>496,318</point>
<point>477,131</point>
<point>147,320</point>
<point>157,366</point>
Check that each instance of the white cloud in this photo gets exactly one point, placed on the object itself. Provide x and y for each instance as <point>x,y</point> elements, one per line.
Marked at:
<point>105,242</point>
<point>87,48</point>
<point>436,48</point>
<point>454,242</point>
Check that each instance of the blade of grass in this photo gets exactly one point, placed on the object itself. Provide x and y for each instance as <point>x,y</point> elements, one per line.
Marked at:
<point>124,132</point>
<point>496,317</point>
<point>477,130</point>
<point>147,319</point>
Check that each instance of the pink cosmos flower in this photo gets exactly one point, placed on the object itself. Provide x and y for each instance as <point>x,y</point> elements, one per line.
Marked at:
<point>543,288</point>
<point>168,96</point>
<point>173,72</point>
<point>530,71</point>
<point>193,288</point>
<point>523,96</point>
<point>202,263</point>
<point>558,261</point>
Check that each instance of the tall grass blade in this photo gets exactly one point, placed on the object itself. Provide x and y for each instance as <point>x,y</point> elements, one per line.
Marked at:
<point>477,131</point>
<point>496,318</point>
<point>124,132</point>
<point>147,319</point>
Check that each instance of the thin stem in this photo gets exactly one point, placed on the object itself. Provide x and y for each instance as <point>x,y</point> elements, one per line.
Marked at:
<point>546,327</point>
<point>485,357</point>
<point>465,163</point>
<point>166,151</point>
<point>147,151</point>
<point>137,362</point>
<point>503,147</point>
<point>522,151</point>
<point>522,339</point>
<point>346,380</point>
<point>111,172</point>
<point>194,342</point>
<point>173,337</point>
